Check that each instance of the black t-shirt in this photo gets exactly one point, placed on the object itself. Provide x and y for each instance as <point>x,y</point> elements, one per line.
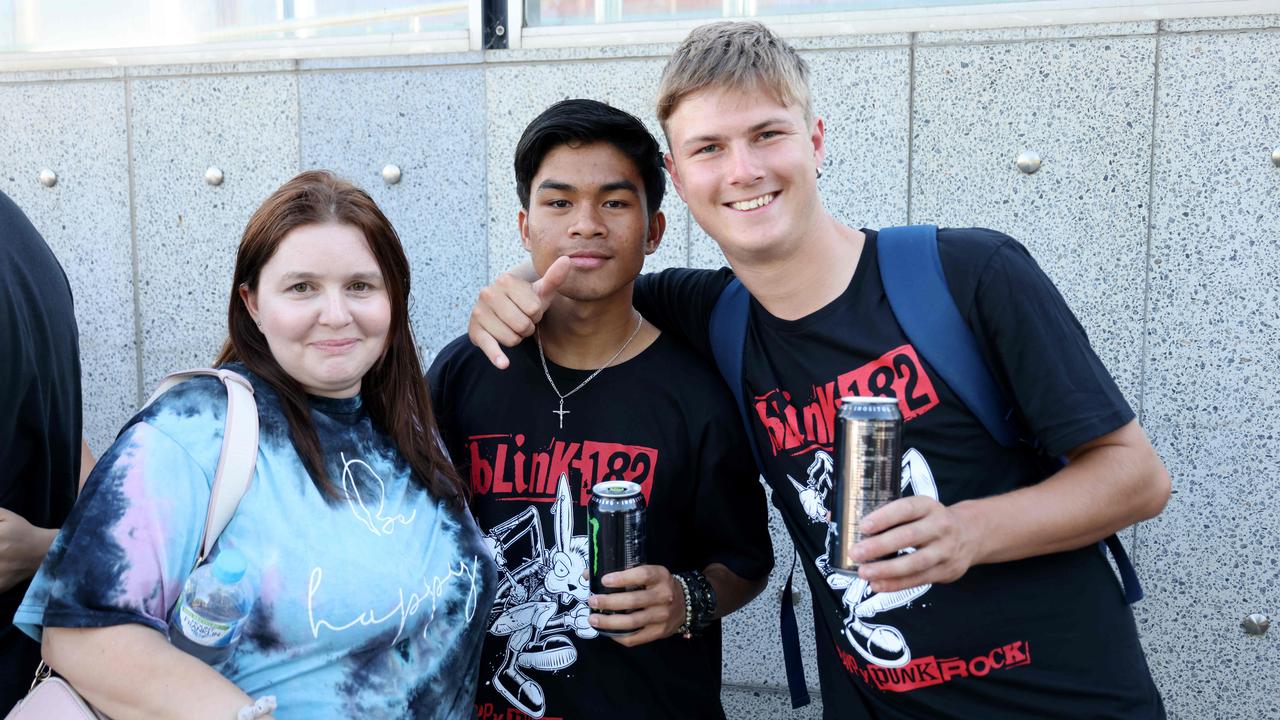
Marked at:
<point>662,419</point>
<point>40,421</point>
<point>1044,637</point>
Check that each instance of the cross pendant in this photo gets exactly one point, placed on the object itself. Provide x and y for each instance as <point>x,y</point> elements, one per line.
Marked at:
<point>561,412</point>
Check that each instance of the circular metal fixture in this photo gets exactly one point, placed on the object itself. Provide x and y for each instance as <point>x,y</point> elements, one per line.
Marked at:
<point>499,31</point>
<point>1275,157</point>
<point>48,178</point>
<point>391,174</point>
<point>1256,624</point>
<point>1028,162</point>
<point>213,176</point>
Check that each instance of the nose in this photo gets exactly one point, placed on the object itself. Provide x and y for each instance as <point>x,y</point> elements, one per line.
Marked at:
<point>334,312</point>
<point>745,167</point>
<point>587,222</point>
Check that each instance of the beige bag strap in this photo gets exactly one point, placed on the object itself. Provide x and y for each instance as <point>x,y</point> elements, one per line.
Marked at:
<point>239,449</point>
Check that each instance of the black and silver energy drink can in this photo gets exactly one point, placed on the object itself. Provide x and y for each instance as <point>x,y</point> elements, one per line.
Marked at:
<point>869,471</point>
<point>615,532</point>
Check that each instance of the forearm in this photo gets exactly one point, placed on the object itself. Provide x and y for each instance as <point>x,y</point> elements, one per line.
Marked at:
<point>732,590</point>
<point>1106,487</point>
<point>37,546</point>
<point>131,671</point>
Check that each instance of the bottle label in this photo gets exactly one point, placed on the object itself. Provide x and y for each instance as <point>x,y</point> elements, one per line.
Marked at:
<point>203,631</point>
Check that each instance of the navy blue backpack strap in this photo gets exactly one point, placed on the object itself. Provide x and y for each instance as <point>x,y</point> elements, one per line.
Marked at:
<point>728,333</point>
<point>916,287</point>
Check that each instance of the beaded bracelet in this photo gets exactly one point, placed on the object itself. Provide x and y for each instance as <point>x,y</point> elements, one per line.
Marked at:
<point>260,708</point>
<point>688,608</point>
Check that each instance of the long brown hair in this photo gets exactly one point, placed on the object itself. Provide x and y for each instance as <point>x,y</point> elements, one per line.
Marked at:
<point>394,390</point>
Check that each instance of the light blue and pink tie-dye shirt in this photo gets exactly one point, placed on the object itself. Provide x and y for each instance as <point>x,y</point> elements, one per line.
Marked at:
<point>369,605</point>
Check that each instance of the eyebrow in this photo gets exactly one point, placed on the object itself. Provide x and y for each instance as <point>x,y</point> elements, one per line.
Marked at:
<point>701,139</point>
<point>296,276</point>
<point>607,187</point>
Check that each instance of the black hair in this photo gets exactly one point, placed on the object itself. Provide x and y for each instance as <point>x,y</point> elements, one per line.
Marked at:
<point>585,122</point>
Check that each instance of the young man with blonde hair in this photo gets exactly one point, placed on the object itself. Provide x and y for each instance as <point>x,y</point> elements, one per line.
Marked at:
<point>981,592</point>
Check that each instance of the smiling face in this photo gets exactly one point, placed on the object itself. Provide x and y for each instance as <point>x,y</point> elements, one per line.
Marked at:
<point>747,167</point>
<point>321,302</point>
<point>588,202</point>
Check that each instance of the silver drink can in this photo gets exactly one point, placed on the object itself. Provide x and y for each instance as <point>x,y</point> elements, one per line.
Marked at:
<point>869,468</point>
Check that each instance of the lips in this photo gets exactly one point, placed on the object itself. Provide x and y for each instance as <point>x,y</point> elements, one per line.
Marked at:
<point>588,259</point>
<point>753,203</point>
<point>335,347</point>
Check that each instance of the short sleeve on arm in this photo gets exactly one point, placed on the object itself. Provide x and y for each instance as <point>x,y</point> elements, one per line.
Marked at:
<point>1065,394</point>
<point>680,300</point>
<point>128,544</point>
<point>732,519</point>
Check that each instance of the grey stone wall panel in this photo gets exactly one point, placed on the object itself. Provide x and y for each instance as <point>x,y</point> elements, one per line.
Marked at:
<point>1084,106</point>
<point>77,130</point>
<point>1212,408</point>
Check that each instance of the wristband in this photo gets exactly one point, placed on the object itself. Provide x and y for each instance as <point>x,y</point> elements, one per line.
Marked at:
<point>702,601</point>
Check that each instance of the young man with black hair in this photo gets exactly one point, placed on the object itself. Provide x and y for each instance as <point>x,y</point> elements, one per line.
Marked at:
<point>982,593</point>
<point>599,394</point>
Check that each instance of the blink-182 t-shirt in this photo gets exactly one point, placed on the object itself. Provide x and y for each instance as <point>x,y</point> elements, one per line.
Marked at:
<point>370,605</point>
<point>662,419</point>
<point>1044,637</point>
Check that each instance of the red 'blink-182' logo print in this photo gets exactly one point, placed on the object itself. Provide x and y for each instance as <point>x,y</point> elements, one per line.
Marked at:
<point>800,429</point>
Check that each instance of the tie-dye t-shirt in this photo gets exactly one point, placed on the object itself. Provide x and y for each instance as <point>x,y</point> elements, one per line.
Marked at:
<point>372,604</point>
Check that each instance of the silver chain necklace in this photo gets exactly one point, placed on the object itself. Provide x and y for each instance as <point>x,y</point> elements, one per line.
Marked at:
<point>561,412</point>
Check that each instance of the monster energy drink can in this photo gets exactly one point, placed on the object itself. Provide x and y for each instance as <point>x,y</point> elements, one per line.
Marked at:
<point>869,469</point>
<point>615,533</point>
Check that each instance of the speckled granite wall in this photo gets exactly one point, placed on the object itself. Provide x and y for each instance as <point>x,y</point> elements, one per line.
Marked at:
<point>1156,210</point>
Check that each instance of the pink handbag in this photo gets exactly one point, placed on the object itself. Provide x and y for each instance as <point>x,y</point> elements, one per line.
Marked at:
<point>52,698</point>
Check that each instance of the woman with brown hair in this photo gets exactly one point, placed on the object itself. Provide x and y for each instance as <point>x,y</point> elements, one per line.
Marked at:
<point>372,581</point>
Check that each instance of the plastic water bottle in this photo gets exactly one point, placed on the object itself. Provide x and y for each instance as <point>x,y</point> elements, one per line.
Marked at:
<point>213,607</point>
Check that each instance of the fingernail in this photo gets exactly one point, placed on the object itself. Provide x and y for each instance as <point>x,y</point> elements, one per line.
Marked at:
<point>592,602</point>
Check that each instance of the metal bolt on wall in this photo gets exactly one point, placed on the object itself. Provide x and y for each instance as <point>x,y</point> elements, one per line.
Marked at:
<point>1028,162</point>
<point>1256,624</point>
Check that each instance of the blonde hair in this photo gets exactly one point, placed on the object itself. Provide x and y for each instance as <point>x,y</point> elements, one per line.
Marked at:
<point>739,55</point>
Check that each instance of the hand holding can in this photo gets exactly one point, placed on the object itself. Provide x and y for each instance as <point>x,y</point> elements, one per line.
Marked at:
<point>869,471</point>
<point>615,534</point>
